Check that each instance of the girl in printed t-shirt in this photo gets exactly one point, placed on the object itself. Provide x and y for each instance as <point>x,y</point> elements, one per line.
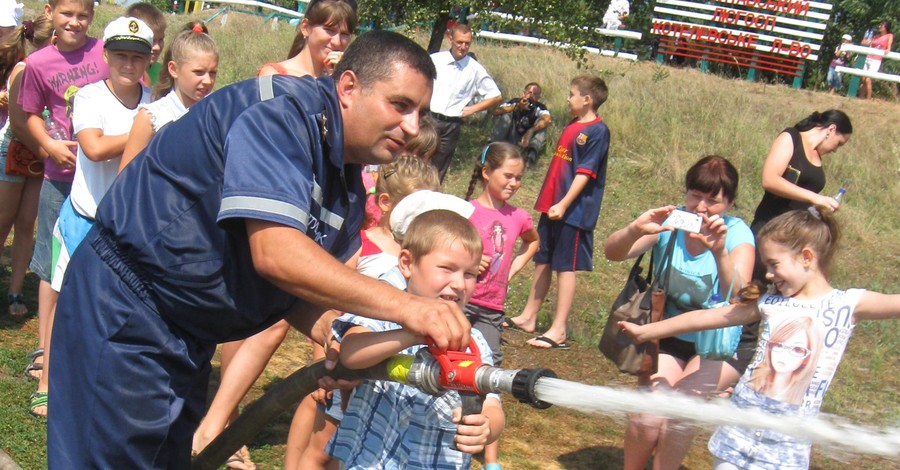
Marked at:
<point>806,325</point>
<point>500,173</point>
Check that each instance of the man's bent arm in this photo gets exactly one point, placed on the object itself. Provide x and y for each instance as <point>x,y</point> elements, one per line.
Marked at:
<point>296,264</point>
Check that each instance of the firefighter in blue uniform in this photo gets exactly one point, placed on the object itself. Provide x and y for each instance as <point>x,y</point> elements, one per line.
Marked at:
<point>235,216</point>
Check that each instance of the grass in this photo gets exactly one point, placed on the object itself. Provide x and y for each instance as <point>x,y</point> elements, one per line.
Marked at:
<point>662,120</point>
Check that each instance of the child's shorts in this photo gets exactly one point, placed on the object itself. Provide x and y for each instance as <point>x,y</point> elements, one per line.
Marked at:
<point>53,193</point>
<point>333,408</point>
<point>488,322</point>
<point>70,230</point>
<point>564,247</point>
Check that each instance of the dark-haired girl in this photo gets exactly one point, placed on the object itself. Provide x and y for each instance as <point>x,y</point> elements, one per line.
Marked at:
<point>703,264</point>
<point>793,176</point>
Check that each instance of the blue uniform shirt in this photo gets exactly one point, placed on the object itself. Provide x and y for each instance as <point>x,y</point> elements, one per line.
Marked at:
<point>268,149</point>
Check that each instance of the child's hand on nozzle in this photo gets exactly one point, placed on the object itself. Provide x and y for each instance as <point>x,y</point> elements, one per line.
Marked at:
<point>633,331</point>
<point>331,61</point>
<point>472,431</point>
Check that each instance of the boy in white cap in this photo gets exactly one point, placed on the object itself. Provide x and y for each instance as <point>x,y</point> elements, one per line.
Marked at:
<point>835,80</point>
<point>102,117</point>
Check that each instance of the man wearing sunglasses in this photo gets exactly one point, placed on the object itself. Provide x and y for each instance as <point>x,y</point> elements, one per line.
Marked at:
<point>235,216</point>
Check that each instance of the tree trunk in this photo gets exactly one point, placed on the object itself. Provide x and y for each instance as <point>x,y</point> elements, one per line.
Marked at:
<point>437,32</point>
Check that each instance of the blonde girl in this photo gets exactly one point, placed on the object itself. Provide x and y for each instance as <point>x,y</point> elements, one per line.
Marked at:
<point>499,172</point>
<point>19,194</point>
<point>377,255</point>
<point>796,249</point>
<point>191,63</point>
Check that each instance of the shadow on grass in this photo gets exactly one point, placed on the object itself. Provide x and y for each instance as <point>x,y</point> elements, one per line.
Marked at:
<point>596,457</point>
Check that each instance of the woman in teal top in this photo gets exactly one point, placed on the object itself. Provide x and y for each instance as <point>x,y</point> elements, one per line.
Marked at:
<point>702,264</point>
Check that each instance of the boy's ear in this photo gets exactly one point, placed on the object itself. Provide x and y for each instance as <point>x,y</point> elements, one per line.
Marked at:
<point>384,202</point>
<point>48,11</point>
<point>405,262</point>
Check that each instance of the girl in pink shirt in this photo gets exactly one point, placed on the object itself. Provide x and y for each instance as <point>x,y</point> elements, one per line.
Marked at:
<point>500,172</point>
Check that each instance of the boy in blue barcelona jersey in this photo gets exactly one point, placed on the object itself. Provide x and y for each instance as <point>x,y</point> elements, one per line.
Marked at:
<point>569,203</point>
<point>235,216</point>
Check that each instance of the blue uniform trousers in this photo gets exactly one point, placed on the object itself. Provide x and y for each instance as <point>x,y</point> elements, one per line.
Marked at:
<point>125,383</point>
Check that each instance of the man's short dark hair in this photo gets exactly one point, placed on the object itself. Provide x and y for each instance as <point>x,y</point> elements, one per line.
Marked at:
<point>372,57</point>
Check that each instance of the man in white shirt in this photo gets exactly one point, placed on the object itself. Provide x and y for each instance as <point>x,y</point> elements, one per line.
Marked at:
<point>459,79</point>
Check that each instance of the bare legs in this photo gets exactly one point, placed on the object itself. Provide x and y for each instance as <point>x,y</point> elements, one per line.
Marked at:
<point>240,369</point>
<point>527,321</point>
<point>540,285</point>
<point>47,298</point>
<point>671,438</point>
<point>867,87</point>
<point>19,210</point>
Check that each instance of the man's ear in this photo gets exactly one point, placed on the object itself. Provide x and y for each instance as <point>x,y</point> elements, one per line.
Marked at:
<point>347,84</point>
<point>404,263</point>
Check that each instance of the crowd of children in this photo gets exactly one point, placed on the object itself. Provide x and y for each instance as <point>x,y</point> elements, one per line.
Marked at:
<point>431,244</point>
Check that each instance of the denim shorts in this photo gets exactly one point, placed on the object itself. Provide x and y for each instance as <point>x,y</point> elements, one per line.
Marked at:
<point>53,193</point>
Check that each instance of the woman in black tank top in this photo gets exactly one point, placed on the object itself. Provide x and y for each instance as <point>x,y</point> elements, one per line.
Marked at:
<point>792,175</point>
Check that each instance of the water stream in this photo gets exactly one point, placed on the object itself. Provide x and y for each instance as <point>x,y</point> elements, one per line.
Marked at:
<point>830,432</point>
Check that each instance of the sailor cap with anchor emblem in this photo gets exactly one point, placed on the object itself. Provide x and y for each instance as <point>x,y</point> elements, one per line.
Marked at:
<point>128,34</point>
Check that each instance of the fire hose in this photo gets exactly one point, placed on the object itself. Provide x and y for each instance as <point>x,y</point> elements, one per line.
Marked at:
<point>430,370</point>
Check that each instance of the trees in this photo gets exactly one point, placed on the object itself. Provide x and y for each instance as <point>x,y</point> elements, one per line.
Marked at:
<point>568,21</point>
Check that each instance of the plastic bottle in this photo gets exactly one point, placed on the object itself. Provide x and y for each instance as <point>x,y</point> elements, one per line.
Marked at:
<point>54,130</point>
<point>837,197</point>
<point>715,301</point>
<point>840,194</point>
<point>869,35</point>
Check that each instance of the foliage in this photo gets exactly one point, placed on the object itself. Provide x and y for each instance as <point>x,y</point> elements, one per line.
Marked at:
<point>854,17</point>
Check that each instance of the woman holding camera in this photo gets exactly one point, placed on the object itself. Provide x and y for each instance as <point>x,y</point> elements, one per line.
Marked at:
<point>703,264</point>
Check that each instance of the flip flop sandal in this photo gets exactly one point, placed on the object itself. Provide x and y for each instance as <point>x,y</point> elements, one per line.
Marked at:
<point>15,302</point>
<point>551,344</point>
<point>508,324</point>
<point>38,400</point>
